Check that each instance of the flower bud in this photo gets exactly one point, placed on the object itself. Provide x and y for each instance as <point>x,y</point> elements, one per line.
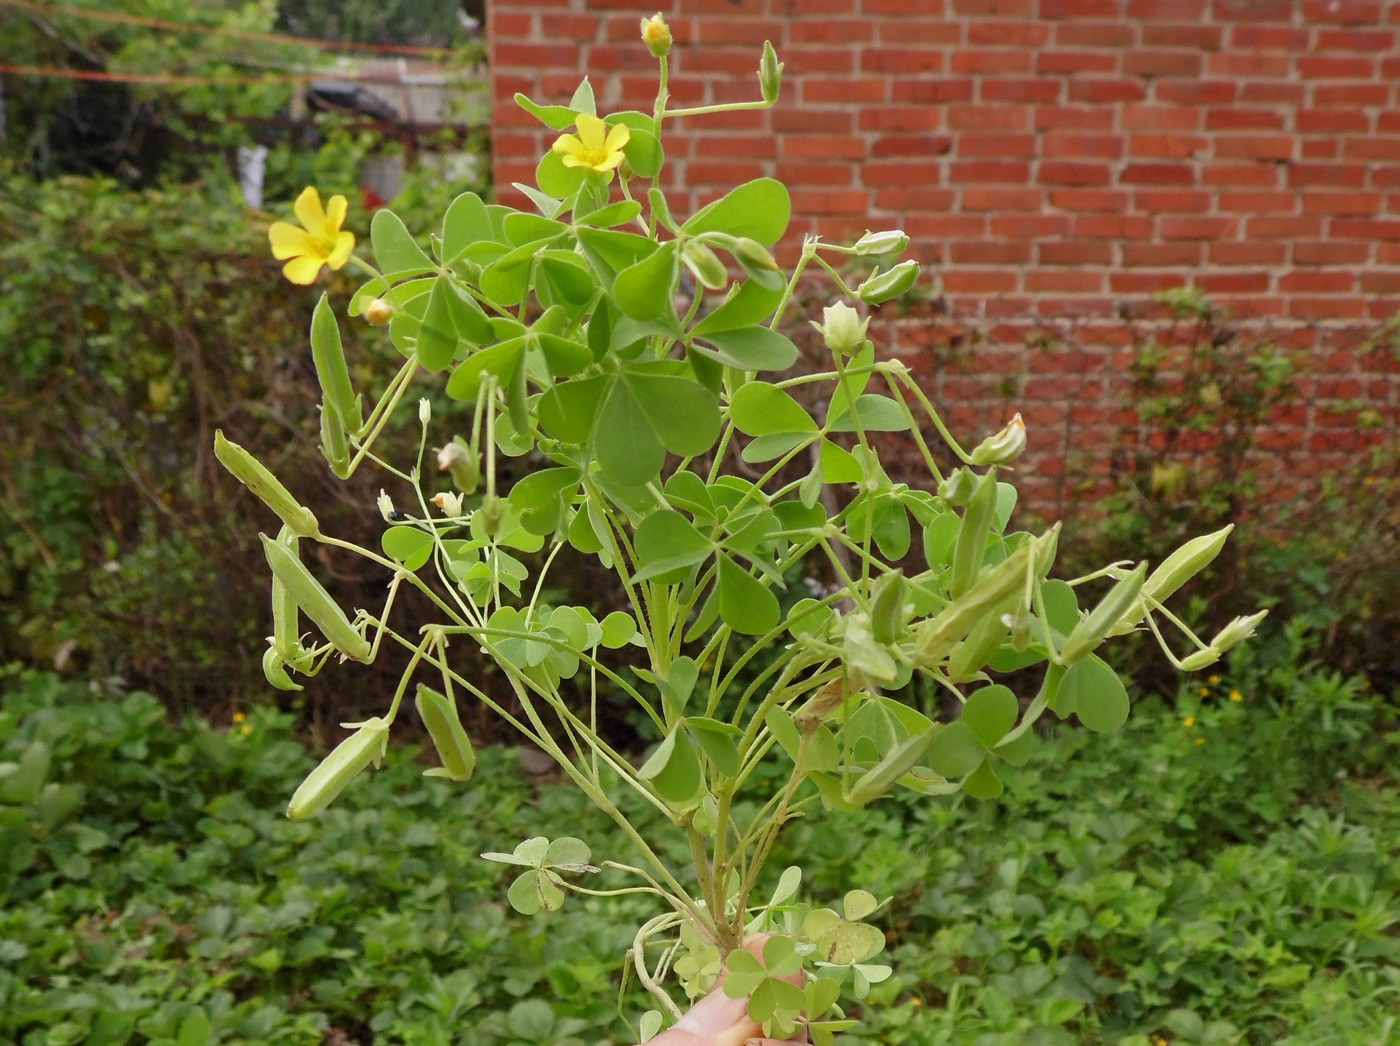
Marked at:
<point>1199,660</point>
<point>770,73</point>
<point>385,504</point>
<point>357,752</point>
<point>1005,447</point>
<point>458,459</point>
<point>378,312</point>
<point>492,512</point>
<point>842,328</point>
<point>451,504</point>
<point>425,411</point>
<point>656,34</point>
<point>959,486</point>
<point>1237,631</point>
<point>891,241</point>
<point>1184,564</point>
<point>882,286</point>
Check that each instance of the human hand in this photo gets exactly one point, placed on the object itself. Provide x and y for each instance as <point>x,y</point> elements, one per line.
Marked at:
<point>718,1020</point>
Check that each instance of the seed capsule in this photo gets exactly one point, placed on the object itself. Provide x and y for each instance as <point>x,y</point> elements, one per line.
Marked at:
<point>334,446</point>
<point>1094,627</point>
<point>973,532</point>
<point>454,747</point>
<point>329,356</point>
<point>882,286</point>
<point>365,747</point>
<point>275,670</point>
<point>257,478</point>
<point>315,602</point>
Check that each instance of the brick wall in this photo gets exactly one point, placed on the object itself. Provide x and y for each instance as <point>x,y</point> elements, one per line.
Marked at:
<point>1055,161</point>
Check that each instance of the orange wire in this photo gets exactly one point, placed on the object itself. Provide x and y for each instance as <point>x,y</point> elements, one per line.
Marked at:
<point>242,34</point>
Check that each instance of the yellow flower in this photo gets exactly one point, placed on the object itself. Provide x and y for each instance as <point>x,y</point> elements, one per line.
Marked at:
<point>1189,721</point>
<point>1200,741</point>
<point>656,34</point>
<point>1213,679</point>
<point>1204,691</point>
<point>318,241</point>
<point>1235,695</point>
<point>595,147</point>
<point>238,717</point>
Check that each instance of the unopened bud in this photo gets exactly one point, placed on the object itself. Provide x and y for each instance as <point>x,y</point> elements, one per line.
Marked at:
<point>1004,447</point>
<point>770,73</point>
<point>842,328</point>
<point>957,489</point>
<point>891,241</point>
<point>462,462</point>
<point>385,504</point>
<point>378,312</point>
<point>1184,564</point>
<point>656,34</point>
<point>491,512</point>
<point>882,286</point>
<point>451,504</point>
<point>425,412</point>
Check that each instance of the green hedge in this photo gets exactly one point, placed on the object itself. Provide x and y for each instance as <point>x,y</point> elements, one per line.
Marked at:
<point>1233,878</point>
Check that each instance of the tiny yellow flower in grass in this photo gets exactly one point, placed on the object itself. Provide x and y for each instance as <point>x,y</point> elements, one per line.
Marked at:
<point>1199,741</point>
<point>318,241</point>
<point>1212,680</point>
<point>596,147</point>
<point>1235,695</point>
<point>238,717</point>
<point>1203,691</point>
<point>1189,721</point>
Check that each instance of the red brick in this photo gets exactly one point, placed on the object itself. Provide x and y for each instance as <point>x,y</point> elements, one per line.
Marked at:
<point>1158,255</point>
<point>1074,117</point>
<point>1073,252</point>
<point>1272,92</point>
<point>1201,227</point>
<point>988,118</point>
<point>1172,201</point>
<point>1163,63</point>
<point>802,173</point>
<point>1337,176</point>
<point>1330,252</point>
<point>895,173</point>
<point>1269,38</point>
<point>1331,121</point>
<point>1230,252</point>
<point>995,144</point>
<point>1254,10</point>
<point>1089,200</point>
<point>1361,203</point>
<point>1030,226</point>
<point>1370,148</point>
<point>1052,10</point>
<point>1007,34</point>
<point>828,30</point>
<point>931,91</point>
<point>985,198</point>
<point>1064,172</point>
<point>1350,94</point>
<point>1169,146</point>
<point>1365,229</point>
<point>1373,282</point>
<point>817,146</point>
<point>1106,90</point>
<point>1143,282</point>
<point>926,210</point>
<point>901,61</point>
<point>1235,282</point>
<point>1073,63</point>
<point>1365,40</point>
<point>1116,35</point>
<point>1064,282</point>
<point>900,118</point>
<point>978,281</point>
<point>908,31</point>
<point>969,62</point>
<point>1166,10</point>
<point>1254,147</point>
<point>1248,64</point>
<point>1112,226</point>
<point>1269,227</point>
<point>1327,309</point>
<point>965,172</point>
<point>1238,119</point>
<point>1195,92</point>
<point>817,90</point>
<point>830,201</point>
<point>1019,90</point>
<point>993,8</point>
<point>910,145</point>
<point>1335,67</point>
<point>989,252</point>
<point>1197,37</point>
<point>801,119</point>
<point>1058,144</point>
<point>1160,118</point>
<point>1158,174</point>
<point>1353,12</point>
<point>1252,174</point>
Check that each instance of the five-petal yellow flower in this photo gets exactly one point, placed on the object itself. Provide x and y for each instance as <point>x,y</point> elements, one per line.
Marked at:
<point>596,147</point>
<point>318,241</point>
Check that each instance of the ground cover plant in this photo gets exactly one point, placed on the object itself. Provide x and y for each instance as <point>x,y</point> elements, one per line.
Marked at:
<point>571,340</point>
<point>1157,891</point>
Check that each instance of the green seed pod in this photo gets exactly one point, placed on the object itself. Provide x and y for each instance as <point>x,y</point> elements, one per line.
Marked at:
<point>881,777</point>
<point>887,597</point>
<point>492,511</point>
<point>365,747</point>
<point>1199,660</point>
<point>957,489</point>
<point>971,655</point>
<point>891,241</point>
<point>705,265</point>
<point>329,356</point>
<point>1094,627</point>
<point>454,747</point>
<point>993,591</point>
<point>314,600</point>
<point>973,532</point>
<point>755,254</point>
<point>275,670</point>
<point>1184,564</point>
<point>334,445</point>
<point>256,477</point>
<point>882,286</point>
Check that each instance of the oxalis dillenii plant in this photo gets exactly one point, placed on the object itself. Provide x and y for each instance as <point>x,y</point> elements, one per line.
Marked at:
<point>574,341</point>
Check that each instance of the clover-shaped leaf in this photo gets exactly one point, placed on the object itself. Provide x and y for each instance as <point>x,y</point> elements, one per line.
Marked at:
<point>844,941</point>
